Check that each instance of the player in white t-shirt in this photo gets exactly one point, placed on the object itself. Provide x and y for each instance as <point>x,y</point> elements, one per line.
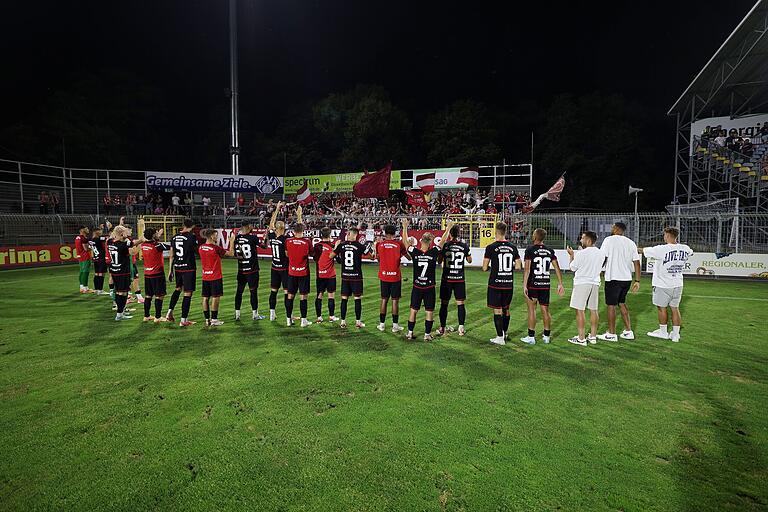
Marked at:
<point>669,264</point>
<point>587,265</point>
<point>621,258</point>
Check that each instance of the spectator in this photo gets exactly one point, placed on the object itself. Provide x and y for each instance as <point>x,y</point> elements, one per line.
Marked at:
<point>130,200</point>
<point>44,201</point>
<point>175,203</point>
<point>720,139</point>
<point>107,202</point>
<point>206,205</point>
<point>116,202</point>
<point>188,204</point>
<point>55,202</point>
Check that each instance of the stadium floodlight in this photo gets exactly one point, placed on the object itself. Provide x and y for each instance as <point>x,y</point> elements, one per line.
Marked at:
<point>636,191</point>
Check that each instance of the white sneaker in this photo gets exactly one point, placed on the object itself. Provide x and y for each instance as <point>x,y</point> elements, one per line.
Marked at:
<point>577,341</point>
<point>530,340</point>
<point>462,331</point>
<point>381,327</point>
<point>449,328</point>
<point>257,316</point>
<point>288,322</point>
<point>428,337</point>
<point>674,337</point>
<point>409,335</point>
<point>592,340</point>
<point>216,321</point>
<point>305,322</point>
<point>607,336</point>
<point>237,316</point>
<point>359,324</point>
<point>498,340</point>
<point>396,328</point>
<point>319,320</point>
<point>627,335</point>
<point>272,315</point>
<point>333,319</point>
<point>343,324</point>
<point>658,333</point>
<point>545,339</point>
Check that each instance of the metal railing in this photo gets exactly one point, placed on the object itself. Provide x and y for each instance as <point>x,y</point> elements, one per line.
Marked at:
<point>717,232</point>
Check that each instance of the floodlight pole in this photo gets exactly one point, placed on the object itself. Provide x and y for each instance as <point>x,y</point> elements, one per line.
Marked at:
<point>234,148</point>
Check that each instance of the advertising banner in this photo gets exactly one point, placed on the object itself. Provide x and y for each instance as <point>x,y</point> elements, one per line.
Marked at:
<point>34,255</point>
<point>730,265</point>
<point>214,182</point>
<point>446,177</point>
<point>341,182</point>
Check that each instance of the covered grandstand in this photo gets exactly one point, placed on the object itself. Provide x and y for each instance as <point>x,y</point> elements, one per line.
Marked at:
<point>729,94</point>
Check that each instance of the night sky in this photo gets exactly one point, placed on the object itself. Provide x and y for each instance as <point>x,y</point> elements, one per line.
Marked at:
<point>425,54</point>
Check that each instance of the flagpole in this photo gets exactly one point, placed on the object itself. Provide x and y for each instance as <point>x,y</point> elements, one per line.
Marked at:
<point>285,167</point>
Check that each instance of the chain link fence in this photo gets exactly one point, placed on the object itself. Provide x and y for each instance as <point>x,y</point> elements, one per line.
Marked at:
<point>721,233</point>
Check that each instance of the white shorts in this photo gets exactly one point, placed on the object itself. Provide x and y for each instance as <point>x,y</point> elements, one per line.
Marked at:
<point>663,297</point>
<point>585,296</point>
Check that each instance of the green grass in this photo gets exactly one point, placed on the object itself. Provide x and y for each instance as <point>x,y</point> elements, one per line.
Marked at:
<point>99,415</point>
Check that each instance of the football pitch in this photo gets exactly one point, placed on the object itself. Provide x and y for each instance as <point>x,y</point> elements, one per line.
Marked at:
<point>104,415</point>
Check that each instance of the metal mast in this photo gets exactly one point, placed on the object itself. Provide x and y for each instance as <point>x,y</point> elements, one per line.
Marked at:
<point>234,148</point>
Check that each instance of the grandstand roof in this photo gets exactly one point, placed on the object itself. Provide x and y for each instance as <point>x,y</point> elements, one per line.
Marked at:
<point>735,80</point>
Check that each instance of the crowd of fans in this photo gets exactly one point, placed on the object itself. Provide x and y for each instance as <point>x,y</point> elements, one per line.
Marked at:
<point>718,137</point>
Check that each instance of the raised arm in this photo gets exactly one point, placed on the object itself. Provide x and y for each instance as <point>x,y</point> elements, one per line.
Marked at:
<point>299,210</point>
<point>446,233</point>
<point>273,219</point>
<point>231,249</point>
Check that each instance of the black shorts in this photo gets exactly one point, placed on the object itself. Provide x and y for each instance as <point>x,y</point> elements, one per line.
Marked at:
<point>122,282</point>
<point>351,288</point>
<point>154,286</point>
<point>100,267</point>
<point>499,298</point>
<point>391,290</point>
<point>213,288</point>
<point>186,280</point>
<point>298,284</point>
<point>542,296</point>
<point>279,279</point>
<point>425,295</point>
<point>616,292</point>
<point>456,288</point>
<point>325,284</point>
<point>252,280</point>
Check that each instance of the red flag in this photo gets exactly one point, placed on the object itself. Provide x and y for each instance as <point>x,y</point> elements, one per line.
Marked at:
<point>469,175</point>
<point>553,194</point>
<point>374,184</point>
<point>303,195</point>
<point>426,182</point>
<point>416,198</point>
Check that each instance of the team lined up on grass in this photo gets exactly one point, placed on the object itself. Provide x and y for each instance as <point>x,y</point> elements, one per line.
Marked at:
<point>618,258</point>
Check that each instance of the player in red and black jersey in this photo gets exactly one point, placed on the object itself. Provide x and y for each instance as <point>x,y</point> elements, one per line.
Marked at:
<point>120,251</point>
<point>298,248</point>
<point>322,253</point>
<point>388,252</point>
<point>276,238</point>
<point>424,260</point>
<point>453,254</point>
<point>247,245</point>
<point>213,281</point>
<point>501,258</point>
<point>99,251</point>
<point>183,267</point>
<point>539,259</point>
<point>152,250</point>
<point>350,254</point>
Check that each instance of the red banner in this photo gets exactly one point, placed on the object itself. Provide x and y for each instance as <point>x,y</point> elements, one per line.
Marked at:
<point>416,198</point>
<point>20,256</point>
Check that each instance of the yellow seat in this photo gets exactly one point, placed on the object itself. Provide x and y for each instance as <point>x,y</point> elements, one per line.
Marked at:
<point>745,169</point>
<point>764,178</point>
<point>752,173</point>
<point>737,165</point>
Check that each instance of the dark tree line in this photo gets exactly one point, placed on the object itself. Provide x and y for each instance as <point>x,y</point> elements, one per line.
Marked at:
<point>604,141</point>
